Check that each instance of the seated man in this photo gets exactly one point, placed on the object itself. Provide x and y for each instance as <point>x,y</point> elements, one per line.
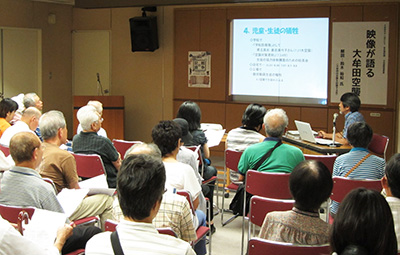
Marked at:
<point>283,158</point>
<point>23,186</point>
<point>174,210</point>
<point>358,163</point>
<point>28,123</point>
<point>139,201</point>
<point>391,185</point>
<point>89,142</point>
<point>60,166</point>
<point>12,242</point>
<point>310,184</point>
<point>349,105</point>
<point>33,100</point>
<point>99,108</point>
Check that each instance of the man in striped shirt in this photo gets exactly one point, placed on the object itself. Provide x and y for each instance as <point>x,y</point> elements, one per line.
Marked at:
<point>359,135</point>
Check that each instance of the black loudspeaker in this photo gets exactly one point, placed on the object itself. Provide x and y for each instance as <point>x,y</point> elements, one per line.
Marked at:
<point>144,35</point>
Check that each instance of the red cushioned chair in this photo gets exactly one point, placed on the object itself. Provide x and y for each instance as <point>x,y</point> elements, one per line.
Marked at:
<point>122,146</point>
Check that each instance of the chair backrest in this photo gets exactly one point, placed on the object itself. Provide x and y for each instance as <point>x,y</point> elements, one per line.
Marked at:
<point>167,231</point>
<point>110,225</point>
<point>258,246</point>
<point>89,165</point>
<point>232,158</point>
<point>186,194</point>
<point>122,146</point>
<point>328,160</point>
<point>5,150</point>
<point>379,144</point>
<point>266,184</point>
<point>50,181</point>
<point>342,186</point>
<point>260,206</point>
<point>10,213</point>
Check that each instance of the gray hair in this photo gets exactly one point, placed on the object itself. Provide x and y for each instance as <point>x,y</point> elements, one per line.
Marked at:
<point>31,111</point>
<point>275,121</point>
<point>50,122</point>
<point>144,148</point>
<point>87,115</point>
<point>29,100</point>
<point>96,104</point>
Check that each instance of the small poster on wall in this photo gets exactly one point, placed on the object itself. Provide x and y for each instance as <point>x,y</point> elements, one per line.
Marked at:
<point>360,53</point>
<point>199,69</point>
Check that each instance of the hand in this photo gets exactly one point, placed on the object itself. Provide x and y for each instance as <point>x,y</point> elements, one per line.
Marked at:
<point>321,134</point>
<point>63,233</point>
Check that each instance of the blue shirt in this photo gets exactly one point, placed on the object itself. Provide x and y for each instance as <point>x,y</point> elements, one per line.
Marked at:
<point>372,168</point>
<point>351,118</point>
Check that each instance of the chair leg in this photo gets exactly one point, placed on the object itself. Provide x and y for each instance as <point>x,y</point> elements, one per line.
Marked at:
<point>243,222</point>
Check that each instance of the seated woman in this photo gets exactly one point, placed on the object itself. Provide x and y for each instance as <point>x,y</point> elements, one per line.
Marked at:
<point>252,120</point>
<point>7,111</point>
<point>310,184</point>
<point>364,220</point>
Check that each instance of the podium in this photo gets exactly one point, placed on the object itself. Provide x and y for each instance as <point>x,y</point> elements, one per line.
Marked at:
<point>113,114</point>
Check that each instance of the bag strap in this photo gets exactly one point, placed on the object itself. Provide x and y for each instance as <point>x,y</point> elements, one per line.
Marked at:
<point>359,163</point>
<point>116,245</point>
<point>266,155</point>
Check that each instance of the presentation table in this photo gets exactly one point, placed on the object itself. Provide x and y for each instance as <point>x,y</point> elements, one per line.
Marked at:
<point>312,148</point>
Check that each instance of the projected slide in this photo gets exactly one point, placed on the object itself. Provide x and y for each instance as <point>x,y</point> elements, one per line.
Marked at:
<point>280,60</point>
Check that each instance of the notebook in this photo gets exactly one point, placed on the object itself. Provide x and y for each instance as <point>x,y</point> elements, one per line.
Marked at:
<point>306,134</point>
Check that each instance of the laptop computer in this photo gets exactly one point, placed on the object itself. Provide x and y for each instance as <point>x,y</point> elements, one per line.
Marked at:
<point>306,134</point>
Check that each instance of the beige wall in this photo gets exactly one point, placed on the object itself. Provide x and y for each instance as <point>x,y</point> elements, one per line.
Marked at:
<point>56,47</point>
<point>144,78</point>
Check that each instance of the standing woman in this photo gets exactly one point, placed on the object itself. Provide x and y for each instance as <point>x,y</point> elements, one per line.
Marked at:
<point>7,111</point>
<point>191,112</point>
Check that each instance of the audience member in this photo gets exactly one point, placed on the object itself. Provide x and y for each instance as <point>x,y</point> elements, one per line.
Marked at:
<point>89,142</point>
<point>252,121</point>
<point>19,100</point>
<point>190,157</point>
<point>60,166</point>
<point>310,184</point>
<point>364,219</point>
<point>349,105</point>
<point>283,158</point>
<point>391,185</point>
<point>99,108</point>
<point>28,123</point>
<point>358,163</point>
<point>167,136</point>
<point>7,112</point>
<point>12,242</point>
<point>23,186</point>
<point>33,100</point>
<point>191,112</point>
<point>175,211</point>
<point>139,201</point>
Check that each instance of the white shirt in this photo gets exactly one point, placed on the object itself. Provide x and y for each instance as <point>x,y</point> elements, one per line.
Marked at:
<point>181,177</point>
<point>11,242</point>
<point>138,238</point>
<point>394,204</point>
<point>18,127</point>
<point>101,132</point>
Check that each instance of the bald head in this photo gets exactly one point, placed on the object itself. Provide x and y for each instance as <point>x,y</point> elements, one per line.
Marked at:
<point>275,121</point>
<point>144,148</point>
<point>23,146</point>
<point>31,117</point>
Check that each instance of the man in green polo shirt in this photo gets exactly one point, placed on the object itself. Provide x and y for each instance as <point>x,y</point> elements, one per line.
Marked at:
<point>283,159</point>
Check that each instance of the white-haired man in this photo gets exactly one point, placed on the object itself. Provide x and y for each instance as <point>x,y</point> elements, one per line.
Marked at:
<point>60,166</point>
<point>28,123</point>
<point>99,108</point>
<point>283,158</point>
<point>89,142</point>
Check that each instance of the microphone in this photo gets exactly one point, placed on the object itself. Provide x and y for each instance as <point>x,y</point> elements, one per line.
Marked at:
<point>98,77</point>
<point>335,115</point>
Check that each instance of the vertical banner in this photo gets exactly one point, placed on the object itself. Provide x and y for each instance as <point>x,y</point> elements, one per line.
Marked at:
<point>199,69</point>
<point>359,61</point>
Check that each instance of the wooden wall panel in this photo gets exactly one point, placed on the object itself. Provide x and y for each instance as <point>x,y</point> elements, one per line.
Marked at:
<point>187,38</point>
<point>293,113</point>
<point>213,39</point>
<point>317,116</point>
<point>346,13</point>
<point>233,118</point>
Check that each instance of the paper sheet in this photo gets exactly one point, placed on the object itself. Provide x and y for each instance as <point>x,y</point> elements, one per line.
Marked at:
<point>42,228</point>
<point>97,185</point>
<point>214,137</point>
<point>71,198</point>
